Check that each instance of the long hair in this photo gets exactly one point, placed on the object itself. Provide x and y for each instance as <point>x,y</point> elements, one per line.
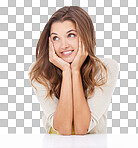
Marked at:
<point>45,72</point>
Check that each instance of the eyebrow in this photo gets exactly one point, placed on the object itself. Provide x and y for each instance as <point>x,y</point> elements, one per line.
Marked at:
<point>67,32</point>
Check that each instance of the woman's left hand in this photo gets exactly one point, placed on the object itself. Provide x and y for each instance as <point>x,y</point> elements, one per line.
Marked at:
<point>79,58</point>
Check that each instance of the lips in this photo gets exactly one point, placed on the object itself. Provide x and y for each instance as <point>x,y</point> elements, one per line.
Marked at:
<point>67,53</point>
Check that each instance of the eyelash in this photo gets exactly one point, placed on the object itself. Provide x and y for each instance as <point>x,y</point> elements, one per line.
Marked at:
<point>68,35</point>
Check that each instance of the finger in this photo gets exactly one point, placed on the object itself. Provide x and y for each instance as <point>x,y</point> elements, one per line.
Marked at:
<point>79,43</point>
<point>50,48</point>
<point>51,45</point>
<point>50,52</point>
<point>86,53</point>
<point>83,48</point>
<point>49,41</point>
<point>80,46</point>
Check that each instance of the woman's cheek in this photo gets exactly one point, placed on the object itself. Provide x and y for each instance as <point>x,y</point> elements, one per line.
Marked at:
<point>57,51</point>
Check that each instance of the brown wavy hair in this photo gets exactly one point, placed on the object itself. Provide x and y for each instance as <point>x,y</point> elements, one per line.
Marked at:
<point>43,71</point>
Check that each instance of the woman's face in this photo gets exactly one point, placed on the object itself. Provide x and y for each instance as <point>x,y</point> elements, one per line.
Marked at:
<point>65,39</point>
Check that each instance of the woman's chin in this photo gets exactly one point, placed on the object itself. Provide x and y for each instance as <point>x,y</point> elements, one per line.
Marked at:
<point>68,60</point>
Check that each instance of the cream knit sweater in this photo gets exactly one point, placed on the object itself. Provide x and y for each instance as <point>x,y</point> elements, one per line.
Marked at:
<point>98,102</point>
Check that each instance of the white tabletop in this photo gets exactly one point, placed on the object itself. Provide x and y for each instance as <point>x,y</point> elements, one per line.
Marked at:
<point>73,141</point>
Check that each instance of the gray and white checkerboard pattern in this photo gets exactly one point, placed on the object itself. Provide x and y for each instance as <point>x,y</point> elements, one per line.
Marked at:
<point>21,23</point>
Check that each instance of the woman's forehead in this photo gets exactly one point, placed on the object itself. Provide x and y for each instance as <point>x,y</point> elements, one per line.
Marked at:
<point>65,26</point>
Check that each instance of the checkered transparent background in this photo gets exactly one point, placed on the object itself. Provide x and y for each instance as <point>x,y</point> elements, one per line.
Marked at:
<point>21,23</point>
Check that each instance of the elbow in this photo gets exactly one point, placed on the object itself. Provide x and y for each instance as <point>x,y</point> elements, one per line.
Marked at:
<point>65,132</point>
<point>79,132</point>
<point>63,129</point>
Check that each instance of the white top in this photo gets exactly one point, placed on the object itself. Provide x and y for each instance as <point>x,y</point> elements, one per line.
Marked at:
<point>98,102</point>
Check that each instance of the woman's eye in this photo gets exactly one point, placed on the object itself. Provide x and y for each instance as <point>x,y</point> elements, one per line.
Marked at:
<point>54,38</point>
<point>71,34</point>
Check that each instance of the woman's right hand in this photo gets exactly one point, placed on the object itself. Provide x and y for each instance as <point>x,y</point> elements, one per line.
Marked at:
<point>57,61</point>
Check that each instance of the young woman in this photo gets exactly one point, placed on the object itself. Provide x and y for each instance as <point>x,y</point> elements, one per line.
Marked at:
<point>73,86</point>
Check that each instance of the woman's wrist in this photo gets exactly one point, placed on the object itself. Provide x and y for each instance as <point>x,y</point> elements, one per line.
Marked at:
<point>66,69</point>
<point>75,71</point>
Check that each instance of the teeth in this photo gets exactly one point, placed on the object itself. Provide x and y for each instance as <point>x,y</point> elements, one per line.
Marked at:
<point>67,52</point>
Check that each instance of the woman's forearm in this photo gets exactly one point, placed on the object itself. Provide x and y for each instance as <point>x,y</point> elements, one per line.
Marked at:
<point>63,116</point>
<point>82,114</point>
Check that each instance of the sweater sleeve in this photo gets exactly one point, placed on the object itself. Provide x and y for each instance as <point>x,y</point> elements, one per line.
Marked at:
<point>99,102</point>
<point>47,104</point>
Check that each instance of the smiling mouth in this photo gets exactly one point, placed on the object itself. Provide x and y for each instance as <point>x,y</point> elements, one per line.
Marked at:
<point>67,53</point>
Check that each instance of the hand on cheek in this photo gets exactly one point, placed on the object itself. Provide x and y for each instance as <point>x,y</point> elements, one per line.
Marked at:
<point>54,59</point>
<point>80,57</point>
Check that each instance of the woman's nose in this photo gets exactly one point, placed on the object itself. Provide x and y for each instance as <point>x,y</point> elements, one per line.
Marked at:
<point>64,43</point>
